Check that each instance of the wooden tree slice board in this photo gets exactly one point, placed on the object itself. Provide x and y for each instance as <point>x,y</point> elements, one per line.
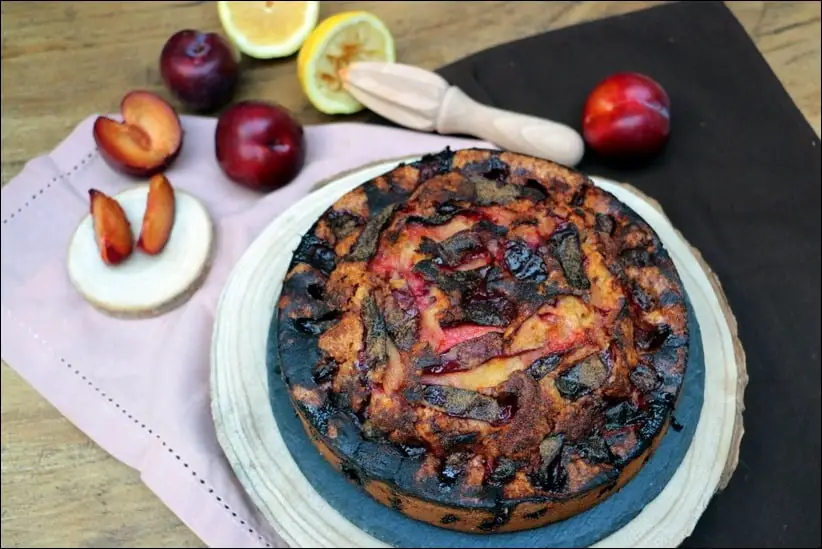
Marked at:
<point>248,432</point>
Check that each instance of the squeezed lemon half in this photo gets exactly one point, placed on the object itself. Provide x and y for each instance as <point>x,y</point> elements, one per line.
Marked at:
<point>333,45</point>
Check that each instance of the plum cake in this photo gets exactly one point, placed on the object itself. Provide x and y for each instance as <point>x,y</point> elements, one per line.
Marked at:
<point>484,341</point>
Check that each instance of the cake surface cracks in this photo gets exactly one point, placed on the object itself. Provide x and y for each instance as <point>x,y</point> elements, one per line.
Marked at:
<point>484,340</point>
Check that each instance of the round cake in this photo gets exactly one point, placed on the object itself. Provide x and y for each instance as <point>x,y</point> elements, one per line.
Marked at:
<point>483,341</point>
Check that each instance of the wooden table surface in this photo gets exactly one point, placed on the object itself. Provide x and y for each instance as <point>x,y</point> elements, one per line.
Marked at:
<point>62,61</point>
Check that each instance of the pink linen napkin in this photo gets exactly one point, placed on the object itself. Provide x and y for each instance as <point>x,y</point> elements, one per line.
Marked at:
<point>139,388</point>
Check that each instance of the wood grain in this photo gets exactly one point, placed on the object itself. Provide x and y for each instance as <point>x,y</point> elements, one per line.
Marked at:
<point>62,61</point>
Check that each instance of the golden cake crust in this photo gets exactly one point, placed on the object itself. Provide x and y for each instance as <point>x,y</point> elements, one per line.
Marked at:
<point>484,341</point>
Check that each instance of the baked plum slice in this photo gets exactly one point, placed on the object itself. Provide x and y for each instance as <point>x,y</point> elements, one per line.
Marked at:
<point>523,262</point>
<point>565,246</point>
<point>466,355</point>
<point>543,366</point>
<point>551,474</point>
<point>317,253</point>
<point>582,378</point>
<point>462,403</point>
<point>454,250</point>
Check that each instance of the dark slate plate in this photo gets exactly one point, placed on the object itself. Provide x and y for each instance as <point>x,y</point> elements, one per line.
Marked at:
<point>582,530</point>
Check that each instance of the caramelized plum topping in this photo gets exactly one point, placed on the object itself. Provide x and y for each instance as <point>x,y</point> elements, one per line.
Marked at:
<point>466,355</point>
<point>316,326</point>
<point>366,245</point>
<point>565,247</point>
<point>523,263</point>
<point>543,366</point>
<point>375,341</point>
<point>316,253</point>
<point>432,165</point>
<point>551,475</point>
<point>605,223</point>
<point>638,257</point>
<point>656,414</point>
<point>620,415</point>
<point>594,449</point>
<point>324,371</point>
<point>466,404</point>
<point>644,378</point>
<point>454,468</point>
<point>342,223</point>
<point>583,378</point>
<point>504,471</point>
<point>461,440</point>
<point>489,310</point>
<point>651,338</point>
<point>536,190</point>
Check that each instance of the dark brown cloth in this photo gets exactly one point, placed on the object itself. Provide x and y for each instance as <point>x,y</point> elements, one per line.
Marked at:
<point>740,178</point>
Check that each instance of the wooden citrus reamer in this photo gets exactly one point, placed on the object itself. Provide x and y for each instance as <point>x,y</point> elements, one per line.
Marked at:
<point>424,101</point>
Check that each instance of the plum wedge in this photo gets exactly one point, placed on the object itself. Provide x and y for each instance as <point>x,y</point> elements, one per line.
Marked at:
<point>161,270</point>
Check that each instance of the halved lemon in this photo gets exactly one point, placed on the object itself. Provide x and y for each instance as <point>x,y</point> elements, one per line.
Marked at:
<point>265,30</point>
<point>331,46</point>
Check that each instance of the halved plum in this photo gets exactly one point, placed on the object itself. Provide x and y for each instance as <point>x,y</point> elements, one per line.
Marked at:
<point>146,142</point>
